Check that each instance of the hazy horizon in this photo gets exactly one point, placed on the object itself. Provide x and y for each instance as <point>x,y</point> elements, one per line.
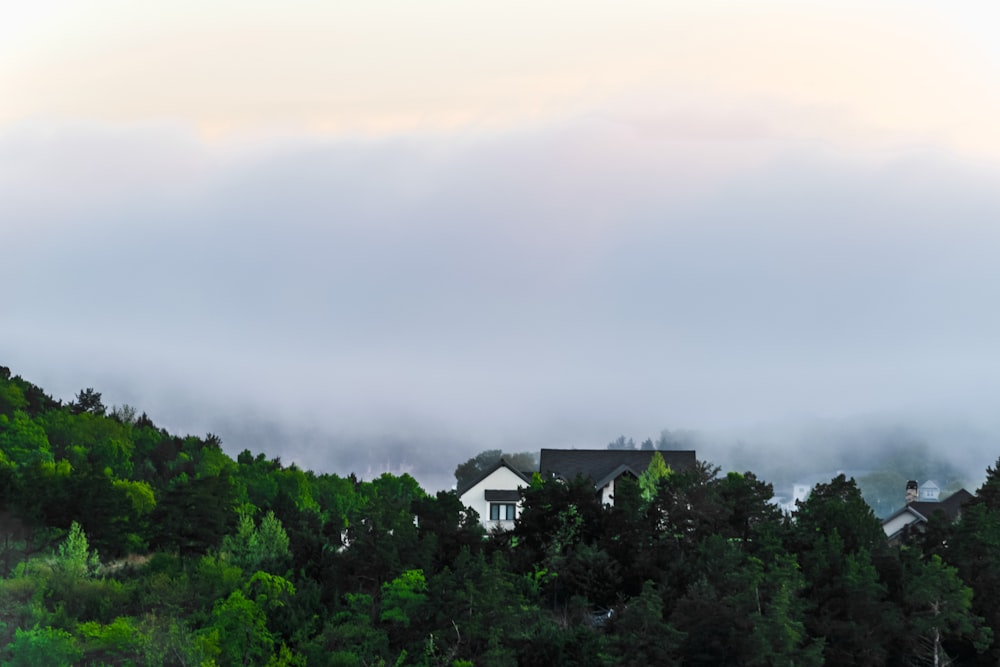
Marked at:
<point>378,228</point>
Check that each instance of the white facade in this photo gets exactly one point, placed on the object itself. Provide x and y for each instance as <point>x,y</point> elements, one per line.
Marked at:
<point>929,491</point>
<point>496,513</point>
<point>608,494</point>
<point>899,521</point>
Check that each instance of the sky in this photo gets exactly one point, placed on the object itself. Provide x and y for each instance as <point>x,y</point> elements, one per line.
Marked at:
<point>358,234</point>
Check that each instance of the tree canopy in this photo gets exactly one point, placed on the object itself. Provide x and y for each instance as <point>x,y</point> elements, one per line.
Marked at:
<point>121,543</point>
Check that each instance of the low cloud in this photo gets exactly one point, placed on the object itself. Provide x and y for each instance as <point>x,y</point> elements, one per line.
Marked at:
<point>552,286</point>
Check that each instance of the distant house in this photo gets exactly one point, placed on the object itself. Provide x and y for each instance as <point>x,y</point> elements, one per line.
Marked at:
<point>916,514</point>
<point>789,502</point>
<point>604,467</point>
<point>788,498</point>
<point>495,495</point>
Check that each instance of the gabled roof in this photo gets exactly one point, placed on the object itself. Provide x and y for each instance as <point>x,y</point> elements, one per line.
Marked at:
<point>615,474</point>
<point>603,465</point>
<point>502,463</point>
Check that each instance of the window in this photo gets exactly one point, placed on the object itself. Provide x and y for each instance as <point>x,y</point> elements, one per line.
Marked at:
<point>502,511</point>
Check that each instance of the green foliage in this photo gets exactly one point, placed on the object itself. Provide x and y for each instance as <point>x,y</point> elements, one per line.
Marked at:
<point>939,607</point>
<point>23,441</point>
<point>259,547</point>
<point>838,506</point>
<point>238,633</point>
<point>650,478</point>
<point>403,596</point>
<point>688,567</point>
<point>194,515</point>
<point>74,557</point>
<point>642,636</point>
<point>88,400</point>
<point>11,398</point>
<point>116,642</point>
<point>140,494</point>
<point>42,647</point>
<point>269,591</point>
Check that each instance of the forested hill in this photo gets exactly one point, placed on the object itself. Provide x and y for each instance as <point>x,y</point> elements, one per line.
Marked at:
<point>121,543</point>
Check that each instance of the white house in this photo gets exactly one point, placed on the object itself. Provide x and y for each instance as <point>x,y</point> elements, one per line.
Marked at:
<point>495,496</point>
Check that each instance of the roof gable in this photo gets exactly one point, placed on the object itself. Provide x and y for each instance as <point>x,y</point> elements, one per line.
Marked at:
<point>502,463</point>
<point>615,474</point>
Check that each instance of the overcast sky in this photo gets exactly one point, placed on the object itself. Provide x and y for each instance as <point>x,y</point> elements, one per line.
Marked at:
<point>420,230</point>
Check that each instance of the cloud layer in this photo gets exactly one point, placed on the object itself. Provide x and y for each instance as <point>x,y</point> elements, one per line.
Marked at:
<point>555,285</point>
<point>362,231</point>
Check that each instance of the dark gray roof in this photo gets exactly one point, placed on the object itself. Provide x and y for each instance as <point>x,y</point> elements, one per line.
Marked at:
<point>600,465</point>
<point>489,471</point>
<point>950,506</point>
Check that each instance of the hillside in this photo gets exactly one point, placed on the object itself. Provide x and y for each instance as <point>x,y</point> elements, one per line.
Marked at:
<point>121,543</point>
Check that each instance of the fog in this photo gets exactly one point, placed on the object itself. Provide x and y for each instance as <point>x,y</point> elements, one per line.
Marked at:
<point>409,301</point>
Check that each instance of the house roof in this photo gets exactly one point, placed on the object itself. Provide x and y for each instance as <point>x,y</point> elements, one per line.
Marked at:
<point>950,506</point>
<point>603,465</point>
<point>502,463</point>
<point>615,474</point>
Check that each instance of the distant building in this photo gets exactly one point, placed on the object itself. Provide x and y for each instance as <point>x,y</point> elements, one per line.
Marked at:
<point>915,514</point>
<point>496,494</point>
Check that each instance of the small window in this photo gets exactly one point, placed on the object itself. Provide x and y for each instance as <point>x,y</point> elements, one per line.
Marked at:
<point>502,511</point>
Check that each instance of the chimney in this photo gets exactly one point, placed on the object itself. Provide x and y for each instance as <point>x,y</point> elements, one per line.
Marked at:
<point>911,491</point>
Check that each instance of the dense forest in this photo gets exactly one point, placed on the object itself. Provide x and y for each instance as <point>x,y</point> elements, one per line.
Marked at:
<point>122,544</point>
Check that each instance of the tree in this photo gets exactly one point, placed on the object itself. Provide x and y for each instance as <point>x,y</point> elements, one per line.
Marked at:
<point>650,478</point>
<point>747,503</point>
<point>23,441</point>
<point>194,516</point>
<point>403,597</point>
<point>42,647</point>
<point>973,547</point>
<point>621,443</point>
<point>939,608</point>
<point>838,505</point>
<point>88,400</point>
<point>124,414</point>
<point>74,557</point>
<point>238,634</point>
<point>641,634</point>
<point>989,493</point>
<point>11,397</point>
<point>259,548</point>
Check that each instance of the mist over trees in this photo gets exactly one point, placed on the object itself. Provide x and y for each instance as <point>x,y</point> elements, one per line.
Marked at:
<point>122,543</point>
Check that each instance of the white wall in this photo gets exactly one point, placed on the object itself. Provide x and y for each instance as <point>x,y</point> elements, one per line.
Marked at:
<point>475,497</point>
<point>898,523</point>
